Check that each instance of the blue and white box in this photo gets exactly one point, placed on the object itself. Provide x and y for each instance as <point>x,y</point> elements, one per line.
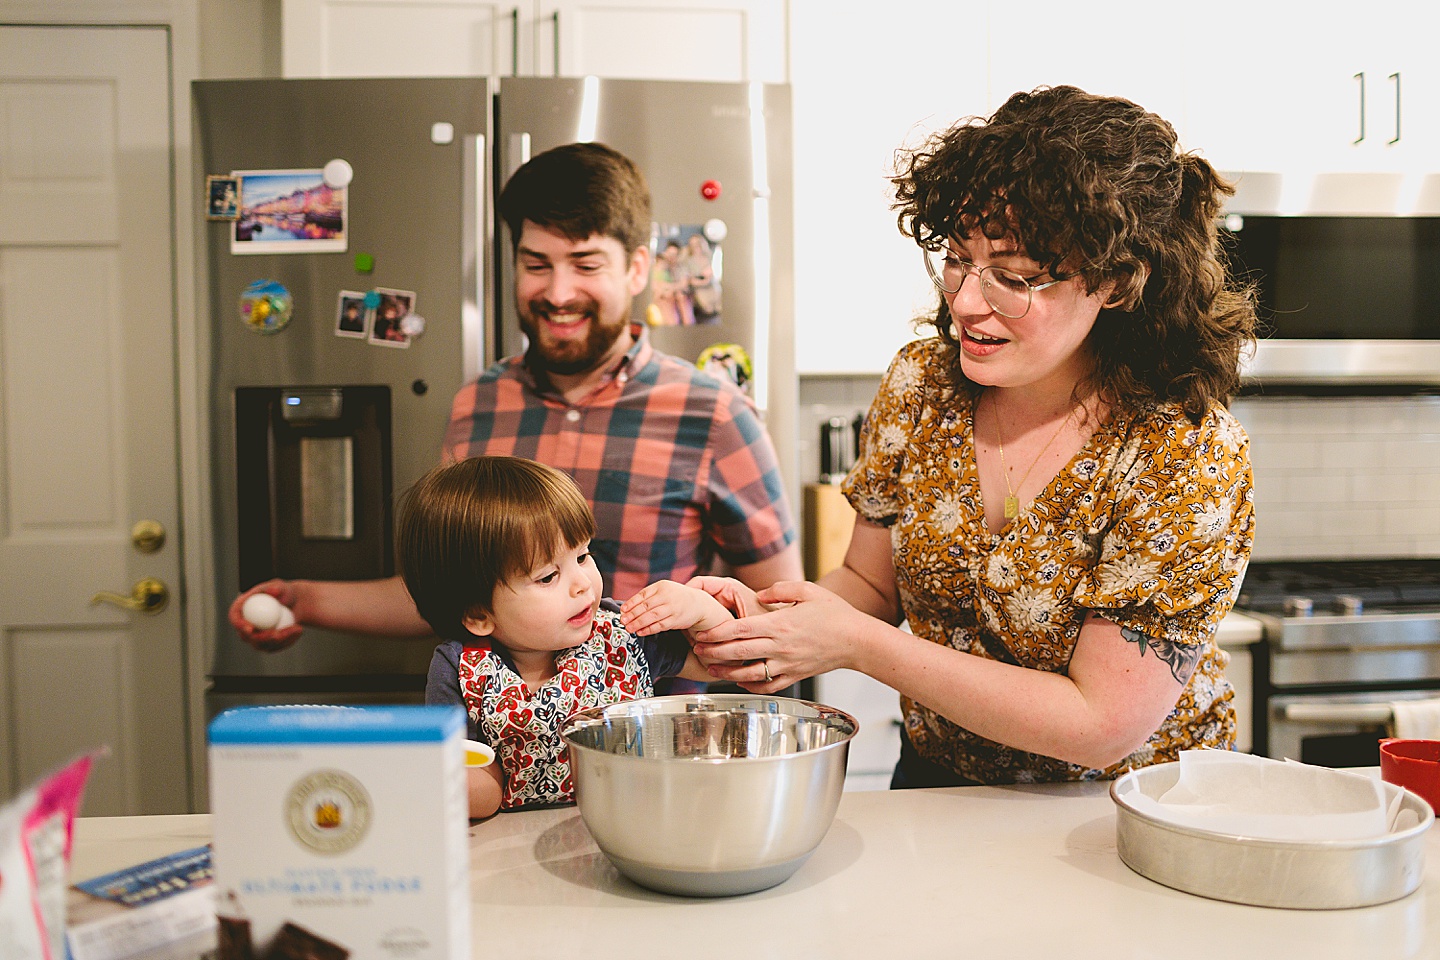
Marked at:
<point>347,825</point>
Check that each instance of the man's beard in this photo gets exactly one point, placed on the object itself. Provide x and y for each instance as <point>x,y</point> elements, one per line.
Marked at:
<point>570,356</point>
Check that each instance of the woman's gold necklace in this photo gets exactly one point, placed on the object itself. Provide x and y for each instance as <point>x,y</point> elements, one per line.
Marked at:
<point>1012,501</point>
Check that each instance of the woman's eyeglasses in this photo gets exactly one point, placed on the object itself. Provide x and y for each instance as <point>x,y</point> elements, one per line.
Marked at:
<point>1008,293</point>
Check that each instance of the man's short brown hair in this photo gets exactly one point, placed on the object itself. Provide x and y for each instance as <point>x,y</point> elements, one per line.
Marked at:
<point>467,527</point>
<point>580,190</point>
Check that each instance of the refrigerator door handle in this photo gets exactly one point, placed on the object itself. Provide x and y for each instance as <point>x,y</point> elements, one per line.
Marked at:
<point>478,339</point>
<point>518,155</point>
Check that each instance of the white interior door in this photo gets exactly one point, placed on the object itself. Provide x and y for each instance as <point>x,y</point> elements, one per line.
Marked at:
<point>88,414</point>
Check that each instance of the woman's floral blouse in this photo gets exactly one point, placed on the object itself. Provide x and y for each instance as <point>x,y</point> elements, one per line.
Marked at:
<point>1149,525</point>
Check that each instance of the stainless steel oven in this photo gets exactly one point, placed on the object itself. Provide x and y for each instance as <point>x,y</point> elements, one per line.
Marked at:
<point>1348,271</point>
<point>1343,639</point>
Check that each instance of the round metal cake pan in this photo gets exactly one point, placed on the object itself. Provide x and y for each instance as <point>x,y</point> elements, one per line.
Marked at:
<point>1301,875</point>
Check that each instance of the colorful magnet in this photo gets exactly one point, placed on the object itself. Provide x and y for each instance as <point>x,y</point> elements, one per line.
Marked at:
<point>710,189</point>
<point>412,325</point>
<point>364,262</point>
<point>372,299</point>
<point>442,133</point>
<point>338,173</point>
<point>727,361</point>
<point>715,230</point>
<point>222,198</point>
<point>266,306</point>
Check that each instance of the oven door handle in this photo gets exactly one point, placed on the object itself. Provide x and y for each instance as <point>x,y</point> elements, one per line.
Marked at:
<point>1338,712</point>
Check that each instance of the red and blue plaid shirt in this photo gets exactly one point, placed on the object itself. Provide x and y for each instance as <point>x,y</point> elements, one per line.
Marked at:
<point>675,463</point>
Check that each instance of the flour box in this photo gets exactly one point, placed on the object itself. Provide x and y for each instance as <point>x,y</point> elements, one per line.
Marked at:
<point>341,833</point>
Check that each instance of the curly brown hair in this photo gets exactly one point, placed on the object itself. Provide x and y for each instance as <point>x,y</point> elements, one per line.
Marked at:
<point>1096,185</point>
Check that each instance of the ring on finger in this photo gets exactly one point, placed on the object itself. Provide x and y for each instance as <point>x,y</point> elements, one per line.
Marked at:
<point>766,665</point>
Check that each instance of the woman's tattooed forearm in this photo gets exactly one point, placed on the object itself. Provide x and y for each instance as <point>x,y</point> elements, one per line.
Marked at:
<point>1181,658</point>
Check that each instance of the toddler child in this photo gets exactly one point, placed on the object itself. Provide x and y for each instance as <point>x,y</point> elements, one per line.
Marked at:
<point>495,553</point>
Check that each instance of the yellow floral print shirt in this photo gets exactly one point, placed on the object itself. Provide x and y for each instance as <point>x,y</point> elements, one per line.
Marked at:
<point>1149,525</point>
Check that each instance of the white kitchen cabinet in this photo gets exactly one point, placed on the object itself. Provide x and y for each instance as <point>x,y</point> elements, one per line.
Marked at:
<point>859,283</point>
<point>721,40</point>
<point>639,39</point>
<point>1115,49</point>
<point>1274,89</point>
<point>876,707</point>
<point>406,38</point>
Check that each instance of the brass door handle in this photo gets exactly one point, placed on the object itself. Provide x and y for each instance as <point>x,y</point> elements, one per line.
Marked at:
<point>148,596</point>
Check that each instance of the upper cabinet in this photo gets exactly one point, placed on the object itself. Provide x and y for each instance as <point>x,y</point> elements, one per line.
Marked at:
<point>405,38</point>
<point>673,40</point>
<point>859,283</point>
<point>639,39</point>
<point>1278,88</point>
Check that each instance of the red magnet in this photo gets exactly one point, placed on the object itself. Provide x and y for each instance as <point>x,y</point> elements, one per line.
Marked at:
<point>710,189</point>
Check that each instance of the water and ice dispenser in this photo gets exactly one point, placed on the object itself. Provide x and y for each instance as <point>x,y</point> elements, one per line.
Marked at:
<point>314,482</point>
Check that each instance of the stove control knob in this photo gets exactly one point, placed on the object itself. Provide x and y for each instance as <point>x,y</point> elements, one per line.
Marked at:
<point>1299,606</point>
<point>1349,605</point>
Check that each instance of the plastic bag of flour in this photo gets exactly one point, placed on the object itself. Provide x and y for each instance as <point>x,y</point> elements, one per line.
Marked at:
<point>35,837</point>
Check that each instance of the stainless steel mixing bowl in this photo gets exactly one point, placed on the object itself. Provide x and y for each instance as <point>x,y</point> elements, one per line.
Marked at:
<point>709,794</point>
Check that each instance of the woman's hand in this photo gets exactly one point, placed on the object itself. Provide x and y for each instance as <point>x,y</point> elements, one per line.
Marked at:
<point>270,641</point>
<point>807,630</point>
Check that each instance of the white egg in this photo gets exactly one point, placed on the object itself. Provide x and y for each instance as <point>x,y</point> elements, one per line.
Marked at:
<point>262,611</point>
<point>287,619</point>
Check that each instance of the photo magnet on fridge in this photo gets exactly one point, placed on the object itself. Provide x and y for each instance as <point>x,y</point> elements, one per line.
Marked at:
<point>222,198</point>
<point>387,326</point>
<point>684,277</point>
<point>289,211</point>
<point>351,317</point>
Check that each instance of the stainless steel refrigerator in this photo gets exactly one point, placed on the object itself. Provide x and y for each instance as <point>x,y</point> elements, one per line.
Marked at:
<point>319,419</point>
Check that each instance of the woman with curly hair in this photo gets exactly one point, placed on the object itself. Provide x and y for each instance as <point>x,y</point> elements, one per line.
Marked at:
<point>1050,491</point>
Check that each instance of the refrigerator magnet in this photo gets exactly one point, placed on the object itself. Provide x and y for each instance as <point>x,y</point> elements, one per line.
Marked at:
<point>685,277</point>
<point>351,317</point>
<point>289,211</point>
<point>266,306</point>
<point>386,329</point>
<point>222,198</point>
<point>727,361</point>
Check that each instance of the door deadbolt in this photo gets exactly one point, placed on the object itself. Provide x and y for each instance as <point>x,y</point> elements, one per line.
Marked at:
<point>148,536</point>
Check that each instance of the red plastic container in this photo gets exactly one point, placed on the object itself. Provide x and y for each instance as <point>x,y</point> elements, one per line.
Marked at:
<point>1414,765</point>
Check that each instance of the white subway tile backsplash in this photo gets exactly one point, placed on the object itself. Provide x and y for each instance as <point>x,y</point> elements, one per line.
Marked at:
<point>1281,454</point>
<point>1380,488</point>
<point>1313,488</point>
<point>1344,476</point>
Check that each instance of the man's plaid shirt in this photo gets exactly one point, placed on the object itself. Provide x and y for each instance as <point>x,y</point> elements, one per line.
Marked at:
<point>675,462</point>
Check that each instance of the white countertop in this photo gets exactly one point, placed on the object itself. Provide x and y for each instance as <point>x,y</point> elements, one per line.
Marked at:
<point>986,872</point>
<point>1237,630</point>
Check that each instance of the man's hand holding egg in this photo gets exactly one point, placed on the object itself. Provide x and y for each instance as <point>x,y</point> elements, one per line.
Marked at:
<point>266,613</point>
<point>263,620</point>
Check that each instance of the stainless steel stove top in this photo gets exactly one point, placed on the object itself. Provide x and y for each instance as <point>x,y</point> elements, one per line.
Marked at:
<point>1351,621</point>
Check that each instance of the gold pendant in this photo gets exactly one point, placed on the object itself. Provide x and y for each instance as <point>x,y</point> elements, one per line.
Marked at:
<point>1012,507</point>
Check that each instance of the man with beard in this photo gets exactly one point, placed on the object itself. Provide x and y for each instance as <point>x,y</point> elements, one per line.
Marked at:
<point>675,463</point>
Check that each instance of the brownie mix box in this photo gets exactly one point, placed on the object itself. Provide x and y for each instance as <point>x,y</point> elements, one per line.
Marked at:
<point>340,833</point>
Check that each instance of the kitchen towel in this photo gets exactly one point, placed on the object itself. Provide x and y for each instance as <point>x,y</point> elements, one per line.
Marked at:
<point>1416,719</point>
<point>1259,798</point>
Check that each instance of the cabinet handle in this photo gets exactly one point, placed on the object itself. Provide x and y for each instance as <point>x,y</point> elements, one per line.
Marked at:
<point>1396,77</point>
<point>556,41</point>
<point>515,42</point>
<point>1361,77</point>
<point>1337,712</point>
